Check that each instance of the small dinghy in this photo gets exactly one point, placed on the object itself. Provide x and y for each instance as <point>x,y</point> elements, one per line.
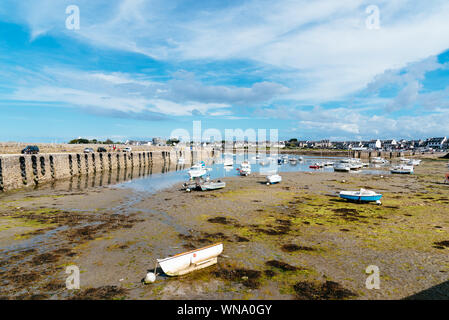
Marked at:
<point>402,169</point>
<point>274,178</point>
<point>361,196</point>
<point>342,167</point>
<point>212,185</point>
<point>191,260</point>
<point>414,162</point>
<point>316,165</point>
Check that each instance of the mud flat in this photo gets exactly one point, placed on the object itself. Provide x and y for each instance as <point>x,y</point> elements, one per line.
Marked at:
<point>295,240</point>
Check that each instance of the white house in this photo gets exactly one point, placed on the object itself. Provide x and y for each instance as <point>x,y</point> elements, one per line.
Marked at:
<point>375,144</point>
<point>436,143</point>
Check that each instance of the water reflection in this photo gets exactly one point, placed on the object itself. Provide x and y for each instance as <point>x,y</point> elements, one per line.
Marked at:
<point>151,178</point>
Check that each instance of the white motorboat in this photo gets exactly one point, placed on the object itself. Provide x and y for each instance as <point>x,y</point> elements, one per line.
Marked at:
<point>245,168</point>
<point>292,160</point>
<point>405,160</point>
<point>181,160</point>
<point>328,163</point>
<point>198,170</point>
<point>402,169</point>
<point>274,178</point>
<point>192,260</point>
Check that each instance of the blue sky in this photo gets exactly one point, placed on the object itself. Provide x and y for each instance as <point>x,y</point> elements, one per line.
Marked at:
<point>138,68</point>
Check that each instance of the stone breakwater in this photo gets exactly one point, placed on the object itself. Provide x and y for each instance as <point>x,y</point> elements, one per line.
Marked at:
<point>18,171</point>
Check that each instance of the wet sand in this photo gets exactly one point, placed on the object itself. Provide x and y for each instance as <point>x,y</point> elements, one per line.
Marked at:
<point>294,240</point>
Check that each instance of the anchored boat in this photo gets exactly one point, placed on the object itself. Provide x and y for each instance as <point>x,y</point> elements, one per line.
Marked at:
<point>191,260</point>
<point>245,168</point>
<point>198,170</point>
<point>228,162</point>
<point>361,196</point>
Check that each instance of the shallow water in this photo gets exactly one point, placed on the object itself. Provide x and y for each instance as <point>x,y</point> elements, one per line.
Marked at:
<point>159,181</point>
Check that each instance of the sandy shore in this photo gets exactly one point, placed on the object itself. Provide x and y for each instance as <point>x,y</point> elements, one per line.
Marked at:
<point>295,240</point>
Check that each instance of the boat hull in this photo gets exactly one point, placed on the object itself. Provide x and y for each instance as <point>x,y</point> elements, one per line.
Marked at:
<point>361,198</point>
<point>189,261</point>
<point>274,179</point>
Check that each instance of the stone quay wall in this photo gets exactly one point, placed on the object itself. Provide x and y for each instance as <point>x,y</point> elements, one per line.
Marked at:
<point>18,171</point>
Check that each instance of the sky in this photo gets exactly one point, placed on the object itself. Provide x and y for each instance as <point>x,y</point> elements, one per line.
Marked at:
<point>137,69</point>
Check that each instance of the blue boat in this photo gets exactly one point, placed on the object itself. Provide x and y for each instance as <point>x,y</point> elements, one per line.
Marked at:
<point>361,196</point>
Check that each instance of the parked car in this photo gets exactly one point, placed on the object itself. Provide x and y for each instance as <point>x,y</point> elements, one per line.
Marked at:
<point>127,149</point>
<point>101,149</point>
<point>89,150</point>
<point>30,150</point>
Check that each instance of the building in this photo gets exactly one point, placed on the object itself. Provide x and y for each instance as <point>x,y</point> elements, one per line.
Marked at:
<point>159,142</point>
<point>436,143</point>
<point>375,144</point>
<point>389,144</point>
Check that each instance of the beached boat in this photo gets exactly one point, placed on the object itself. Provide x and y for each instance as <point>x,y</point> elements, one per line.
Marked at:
<point>274,178</point>
<point>245,168</point>
<point>355,164</point>
<point>192,260</point>
<point>414,162</point>
<point>342,167</point>
<point>402,169</point>
<point>379,160</point>
<point>361,196</point>
<point>212,185</point>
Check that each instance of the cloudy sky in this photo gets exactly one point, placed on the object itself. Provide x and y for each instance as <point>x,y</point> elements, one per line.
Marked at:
<point>143,68</point>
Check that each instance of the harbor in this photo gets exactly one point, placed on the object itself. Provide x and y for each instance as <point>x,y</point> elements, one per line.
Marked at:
<point>293,239</point>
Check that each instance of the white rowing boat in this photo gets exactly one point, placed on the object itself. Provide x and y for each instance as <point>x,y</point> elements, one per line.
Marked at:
<point>191,260</point>
<point>274,178</point>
